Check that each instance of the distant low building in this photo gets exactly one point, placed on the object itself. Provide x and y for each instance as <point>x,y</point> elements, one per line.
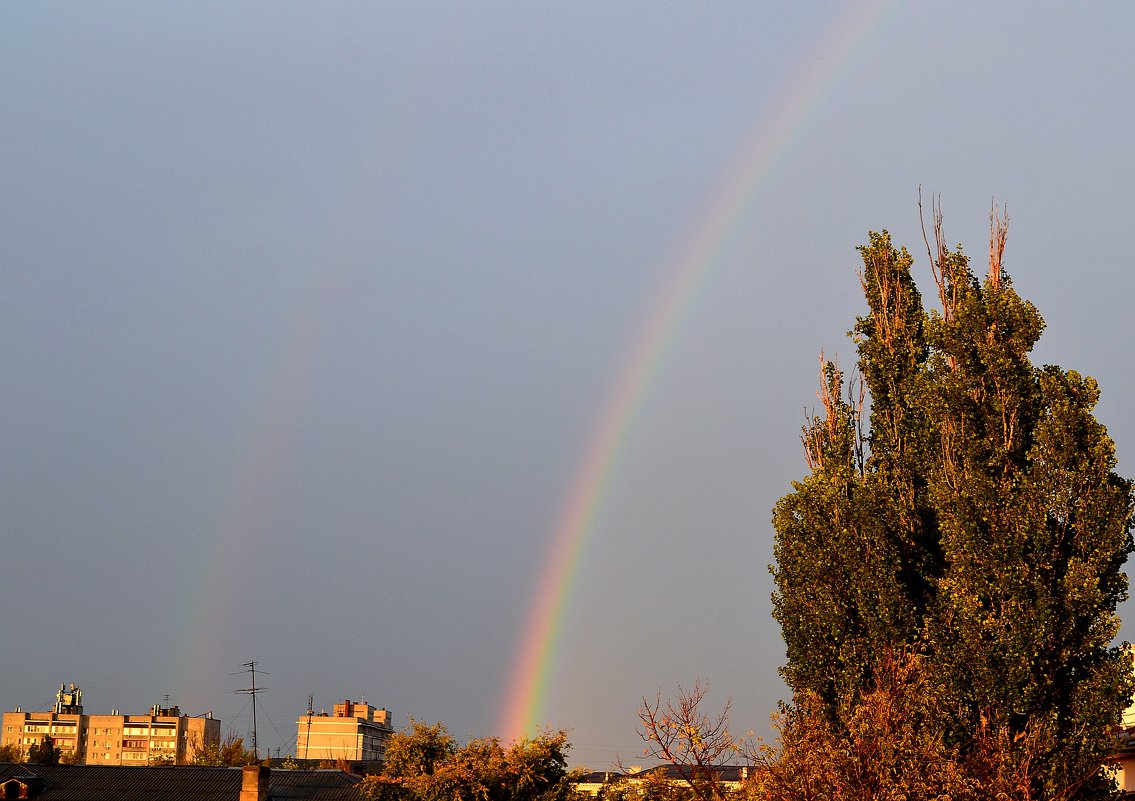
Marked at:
<point>356,732</point>
<point>593,782</point>
<point>1121,766</point>
<point>163,736</point>
<point>727,777</point>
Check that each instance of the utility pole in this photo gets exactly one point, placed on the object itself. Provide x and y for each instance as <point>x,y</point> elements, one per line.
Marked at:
<point>307,740</point>
<point>250,668</point>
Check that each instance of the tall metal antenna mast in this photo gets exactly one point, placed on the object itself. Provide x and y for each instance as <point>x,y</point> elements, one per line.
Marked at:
<point>307,740</point>
<point>250,668</point>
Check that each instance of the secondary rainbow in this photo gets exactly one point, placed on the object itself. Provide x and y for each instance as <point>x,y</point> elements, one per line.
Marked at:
<point>242,531</point>
<point>527,690</point>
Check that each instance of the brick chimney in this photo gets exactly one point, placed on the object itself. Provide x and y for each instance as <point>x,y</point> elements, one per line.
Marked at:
<point>254,783</point>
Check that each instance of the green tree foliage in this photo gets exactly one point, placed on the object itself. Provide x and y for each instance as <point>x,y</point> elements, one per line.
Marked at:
<point>417,750</point>
<point>229,751</point>
<point>423,763</point>
<point>44,752</point>
<point>974,522</point>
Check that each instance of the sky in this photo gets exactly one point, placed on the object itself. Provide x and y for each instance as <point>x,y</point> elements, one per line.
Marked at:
<point>313,313</point>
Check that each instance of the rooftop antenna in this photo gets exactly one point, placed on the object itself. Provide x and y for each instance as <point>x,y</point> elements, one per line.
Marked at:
<point>250,668</point>
<point>307,740</point>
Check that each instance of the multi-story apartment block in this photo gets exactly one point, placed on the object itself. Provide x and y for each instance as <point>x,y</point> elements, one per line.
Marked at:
<point>164,736</point>
<point>357,732</point>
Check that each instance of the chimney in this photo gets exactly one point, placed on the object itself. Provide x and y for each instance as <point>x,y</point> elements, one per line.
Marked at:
<point>254,783</point>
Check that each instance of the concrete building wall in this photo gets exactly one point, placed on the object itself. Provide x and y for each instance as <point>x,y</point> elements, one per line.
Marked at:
<point>114,739</point>
<point>356,732</point>
<point>25,729</point>
<point>146,739</point>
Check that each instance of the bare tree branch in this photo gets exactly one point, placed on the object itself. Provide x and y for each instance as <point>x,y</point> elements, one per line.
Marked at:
<point>696,743</point>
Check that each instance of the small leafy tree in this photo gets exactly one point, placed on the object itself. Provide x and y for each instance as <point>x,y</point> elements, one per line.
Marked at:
<point>417,750</point>
<point>44,752</point>
<point>230,751</point>
<point>536,768</point>
<point>424,764</point>
<point>11,752</point>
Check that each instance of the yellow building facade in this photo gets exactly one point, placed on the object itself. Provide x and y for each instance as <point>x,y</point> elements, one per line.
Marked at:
<point>356,732</point>
<point>164,736</point>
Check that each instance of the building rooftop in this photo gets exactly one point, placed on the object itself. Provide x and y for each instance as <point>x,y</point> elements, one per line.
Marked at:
<point>122,783</point>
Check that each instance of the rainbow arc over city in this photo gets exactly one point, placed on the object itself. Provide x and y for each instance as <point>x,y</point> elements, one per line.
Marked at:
<point>528,689</point>
<point>240,530</point>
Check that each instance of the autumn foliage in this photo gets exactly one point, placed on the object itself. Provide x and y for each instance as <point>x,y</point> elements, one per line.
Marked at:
<point>424,763</point>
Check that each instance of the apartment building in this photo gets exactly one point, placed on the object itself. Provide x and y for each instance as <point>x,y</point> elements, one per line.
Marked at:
<point>164,736</point>
<point>356,732</point>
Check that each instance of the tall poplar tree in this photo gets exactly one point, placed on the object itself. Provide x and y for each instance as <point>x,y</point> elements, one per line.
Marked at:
<point>971,519</point>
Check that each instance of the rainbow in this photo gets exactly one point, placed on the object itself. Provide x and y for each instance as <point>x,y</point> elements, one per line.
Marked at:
<point>526,693</point>
<point>242,528</point>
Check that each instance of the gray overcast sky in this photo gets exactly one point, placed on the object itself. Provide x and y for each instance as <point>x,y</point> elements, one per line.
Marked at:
<point>310,312</point>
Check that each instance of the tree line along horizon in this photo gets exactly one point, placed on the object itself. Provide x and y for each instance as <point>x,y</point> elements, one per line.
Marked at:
<point>947,577</point>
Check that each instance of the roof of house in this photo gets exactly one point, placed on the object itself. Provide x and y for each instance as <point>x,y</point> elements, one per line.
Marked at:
<point>165,783</point>
<point>597,777</point>
<point>721,773</point>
